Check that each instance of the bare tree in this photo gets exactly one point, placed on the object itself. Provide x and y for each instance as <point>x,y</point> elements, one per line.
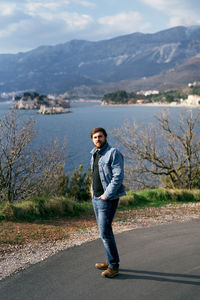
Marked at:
<point>166,153</point>
<point>25,171</point>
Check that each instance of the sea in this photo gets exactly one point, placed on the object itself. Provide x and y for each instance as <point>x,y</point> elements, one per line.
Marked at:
<point>74,128</point>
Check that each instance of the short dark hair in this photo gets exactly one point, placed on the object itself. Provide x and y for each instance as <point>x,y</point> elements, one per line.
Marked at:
<point>97,129</point>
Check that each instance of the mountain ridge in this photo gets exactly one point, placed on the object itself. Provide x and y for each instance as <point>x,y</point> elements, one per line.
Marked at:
<point>76,64</point>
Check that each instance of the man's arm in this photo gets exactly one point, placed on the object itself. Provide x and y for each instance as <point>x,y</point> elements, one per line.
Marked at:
<point>117,166</point>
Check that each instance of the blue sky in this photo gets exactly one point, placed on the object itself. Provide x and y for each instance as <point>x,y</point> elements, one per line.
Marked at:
<point>27,24</point>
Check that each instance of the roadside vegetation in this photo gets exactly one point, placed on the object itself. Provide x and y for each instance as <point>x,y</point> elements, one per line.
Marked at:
<point>53,219</point>
<point>36,194</point>
<point>48,208</point>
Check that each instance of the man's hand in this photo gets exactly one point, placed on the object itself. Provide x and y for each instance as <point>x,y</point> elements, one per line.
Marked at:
<point>102,197</point>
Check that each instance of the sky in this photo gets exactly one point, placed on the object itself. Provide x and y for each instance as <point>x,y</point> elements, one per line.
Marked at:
<point>28,24</point>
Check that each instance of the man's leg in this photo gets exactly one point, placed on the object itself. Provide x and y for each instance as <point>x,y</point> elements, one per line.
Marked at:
<point>102,265</point>
<point>106,211</point>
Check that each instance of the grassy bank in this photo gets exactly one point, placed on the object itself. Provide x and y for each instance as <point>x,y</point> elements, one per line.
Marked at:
<point>43,208</point>
<point>158,197</point>
<point>52,219</point>
<point>59,207</point>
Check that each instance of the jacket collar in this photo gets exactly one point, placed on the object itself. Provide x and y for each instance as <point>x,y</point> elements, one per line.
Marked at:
<point>101,151</point>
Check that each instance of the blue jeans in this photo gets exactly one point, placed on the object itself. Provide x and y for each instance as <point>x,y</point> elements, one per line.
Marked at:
<point>105,211</point>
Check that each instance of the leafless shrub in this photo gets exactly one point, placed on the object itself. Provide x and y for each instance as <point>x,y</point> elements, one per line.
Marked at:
<point>166,153</point>
<point>25,171</point>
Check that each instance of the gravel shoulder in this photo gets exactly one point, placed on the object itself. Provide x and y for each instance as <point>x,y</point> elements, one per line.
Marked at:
<point>18,257</point>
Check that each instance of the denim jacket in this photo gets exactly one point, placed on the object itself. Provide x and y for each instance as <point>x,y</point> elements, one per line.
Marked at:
<point>111,171</point>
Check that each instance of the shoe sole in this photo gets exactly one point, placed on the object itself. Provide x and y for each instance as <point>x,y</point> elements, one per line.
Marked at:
<point>105,276</point>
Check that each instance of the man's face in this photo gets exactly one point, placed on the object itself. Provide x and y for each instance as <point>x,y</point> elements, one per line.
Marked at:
<point>99,139</point>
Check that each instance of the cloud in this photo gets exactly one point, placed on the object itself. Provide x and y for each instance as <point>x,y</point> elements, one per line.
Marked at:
<point>34,8</point>
<point>75,21</point>
<point>170,5</point>
<point>27,24</point>
<point>49,13</point>
<point>79,2</point>
<point>7,9</point>
<point>87,3</point>
<point>184,21</point>
<point>180,12</point>
<point>123,23</point>
<point>32,24</point>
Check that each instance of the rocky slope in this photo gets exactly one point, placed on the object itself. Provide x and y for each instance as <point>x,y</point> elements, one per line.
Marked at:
<point>78,65</point>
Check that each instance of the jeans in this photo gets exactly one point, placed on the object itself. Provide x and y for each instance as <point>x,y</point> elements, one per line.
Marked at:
<point>105,211</point>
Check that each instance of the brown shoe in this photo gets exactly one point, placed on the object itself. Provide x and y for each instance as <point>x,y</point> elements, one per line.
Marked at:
<point>110,273</point>
<point>101,266</point>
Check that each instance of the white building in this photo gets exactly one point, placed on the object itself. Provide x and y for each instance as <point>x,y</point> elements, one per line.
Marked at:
<point>26,104</point>
<point>51,110</point>
<point>148,93</point>
<point>192,100</point>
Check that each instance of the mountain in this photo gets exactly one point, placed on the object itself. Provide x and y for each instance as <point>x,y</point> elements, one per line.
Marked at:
<point>175,78</point>
<point>88,68</point>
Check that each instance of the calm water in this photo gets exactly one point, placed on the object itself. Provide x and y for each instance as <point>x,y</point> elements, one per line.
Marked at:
<point>74,128</point>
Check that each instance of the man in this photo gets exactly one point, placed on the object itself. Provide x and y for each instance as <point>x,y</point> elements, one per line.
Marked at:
<point>107,175</point>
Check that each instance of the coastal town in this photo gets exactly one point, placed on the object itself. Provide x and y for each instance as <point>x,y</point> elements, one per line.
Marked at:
<point>189,96</point>
<point>191,100</point>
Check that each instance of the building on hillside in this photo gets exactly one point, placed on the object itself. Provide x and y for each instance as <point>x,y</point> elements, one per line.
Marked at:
<point>26,104</point>
<point>141,101</point>
<point>174,103</point>
<point>148,93</point>
<point>192,100</point>
<point>52,110</point>
<point>192,84</point>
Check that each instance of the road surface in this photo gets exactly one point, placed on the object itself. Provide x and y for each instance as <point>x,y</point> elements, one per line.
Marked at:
<point>161,262</point>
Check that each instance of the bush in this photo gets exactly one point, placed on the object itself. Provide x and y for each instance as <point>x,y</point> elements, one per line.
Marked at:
<point>26,211</point>
<point>156,195</point>
<point>8,211</point>
<point>163,153</point>
<point>79,188</point>
<point>185,195</point>
<point>42,208</point>
<point>25,170</point>
<point>50,207</point>
<point>132,199</point>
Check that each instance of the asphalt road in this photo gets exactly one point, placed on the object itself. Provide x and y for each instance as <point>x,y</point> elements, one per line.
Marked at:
<point>161,262</point>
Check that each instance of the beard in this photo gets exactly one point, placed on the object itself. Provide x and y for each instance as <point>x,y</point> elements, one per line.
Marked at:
<point>100,145</point>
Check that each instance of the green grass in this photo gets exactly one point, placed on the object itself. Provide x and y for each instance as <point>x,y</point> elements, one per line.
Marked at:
<point>58,207</point>
<point>158,197</point>
<point>43,208</point>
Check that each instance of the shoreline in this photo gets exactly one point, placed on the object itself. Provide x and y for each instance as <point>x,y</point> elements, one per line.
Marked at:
<point>154,105</point>
<point>142,104</point>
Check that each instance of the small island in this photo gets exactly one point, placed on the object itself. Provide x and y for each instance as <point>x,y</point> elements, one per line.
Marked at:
<point>46,105</point>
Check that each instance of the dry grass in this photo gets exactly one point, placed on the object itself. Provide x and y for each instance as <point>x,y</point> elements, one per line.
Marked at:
<point>16,233</point>
<point>20,233</point>
<point>132,206</point>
